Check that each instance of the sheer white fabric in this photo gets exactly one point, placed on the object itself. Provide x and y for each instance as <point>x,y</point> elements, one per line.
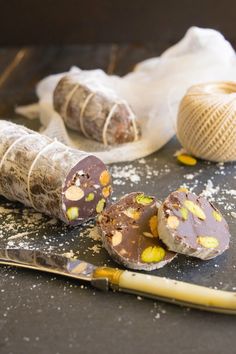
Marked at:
<point>153,90</point>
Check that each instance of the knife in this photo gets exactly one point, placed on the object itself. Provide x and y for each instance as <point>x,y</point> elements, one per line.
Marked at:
<point>105,278</point>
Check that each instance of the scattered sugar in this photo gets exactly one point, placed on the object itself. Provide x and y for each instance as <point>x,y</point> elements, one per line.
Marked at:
<point>189,176</point>
<point>95,248</point>
<point>135,178</point>
<point>93,233</point>
<point>124,174</point>
<point>142,161</point>
<point>231,192</point>
<point>157,316</point>
<point>19,235</point>
<point>69,254</point>
<point>210,190</point>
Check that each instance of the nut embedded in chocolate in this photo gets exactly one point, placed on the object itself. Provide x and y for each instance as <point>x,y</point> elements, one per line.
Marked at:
<point>52,178</point>
<point>191,225</point>
<point>129,233</point>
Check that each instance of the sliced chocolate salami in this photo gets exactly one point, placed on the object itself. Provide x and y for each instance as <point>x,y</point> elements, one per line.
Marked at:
<point>50,177</point>
<point>191,225</point>
<point>129,233</point>
<point>95,110</point>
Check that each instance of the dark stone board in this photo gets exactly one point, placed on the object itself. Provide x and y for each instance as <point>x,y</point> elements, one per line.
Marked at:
<point>43,313</point>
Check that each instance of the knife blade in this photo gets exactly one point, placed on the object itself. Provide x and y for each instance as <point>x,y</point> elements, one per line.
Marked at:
<point>105,278</point>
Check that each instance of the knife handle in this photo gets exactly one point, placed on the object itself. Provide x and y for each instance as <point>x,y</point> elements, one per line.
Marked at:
<point>169,290</point>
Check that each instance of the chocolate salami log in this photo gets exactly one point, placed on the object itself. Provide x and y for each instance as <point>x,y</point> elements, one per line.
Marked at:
<point>95,111</point>
<point>129,233</point>
<point>191,225</point>
<point>49,176</point>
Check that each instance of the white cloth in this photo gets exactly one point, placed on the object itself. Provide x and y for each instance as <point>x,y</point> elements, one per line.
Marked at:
<point>153,90</point>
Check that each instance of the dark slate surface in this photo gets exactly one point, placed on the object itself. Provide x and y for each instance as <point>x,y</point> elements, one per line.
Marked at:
<point>42,313</point>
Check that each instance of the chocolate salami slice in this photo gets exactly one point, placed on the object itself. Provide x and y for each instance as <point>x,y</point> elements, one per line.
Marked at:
<point>191,225</point>
<point>95,111</point>
<point>50,177</point>
<point>129,233</point>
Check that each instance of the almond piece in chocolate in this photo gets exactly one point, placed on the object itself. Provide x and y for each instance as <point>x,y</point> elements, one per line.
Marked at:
<point>74,193</point>
<point>129,233</point>
<point>201,230</point>
<point>50,177</point>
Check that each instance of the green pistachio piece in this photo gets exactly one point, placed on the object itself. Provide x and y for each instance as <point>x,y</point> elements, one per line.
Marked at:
<point>89,197</point>
<point>195,209</point>
<point>143,199</point>
<point>72,213</point>
<point>184,213</point>
<point>208,241</point>
<point>216,216</point>
<point>100,205</point>
<point>153,254</point>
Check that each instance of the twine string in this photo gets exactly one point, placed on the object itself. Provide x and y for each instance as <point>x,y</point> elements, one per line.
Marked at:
<point>107,122</point>
<point>18,140</point>
<point>68,100</point>
<point>32,167</point>
<point>207,121</point>
<point>133,120</point>
<point>81,116</point>
<point>10,148</point>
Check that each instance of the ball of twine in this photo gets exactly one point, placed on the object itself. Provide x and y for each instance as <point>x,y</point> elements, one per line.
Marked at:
<point>206,124</point>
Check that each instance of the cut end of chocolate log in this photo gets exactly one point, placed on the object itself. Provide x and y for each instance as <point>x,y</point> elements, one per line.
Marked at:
<point>129,233</point>
<point>95,111</point>
<point>86,190</point>
<point>50,177</point>
<point>191,225</point>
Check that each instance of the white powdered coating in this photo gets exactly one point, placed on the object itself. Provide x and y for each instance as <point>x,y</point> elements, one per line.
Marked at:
<point>34,168</point>
<point>128,172</point>
<point>94,234</point>
<point>210,190</point>
<point>136,174</point>
<point>19,235</point>
<point>189,176</point>
<point>95,248</point>
<point>21,228</point>
<point>231,192</point>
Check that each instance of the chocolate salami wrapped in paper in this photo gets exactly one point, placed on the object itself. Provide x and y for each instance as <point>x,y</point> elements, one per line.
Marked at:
<point>49,176</point>
<point>97,106</point>
<point>94,110</point>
